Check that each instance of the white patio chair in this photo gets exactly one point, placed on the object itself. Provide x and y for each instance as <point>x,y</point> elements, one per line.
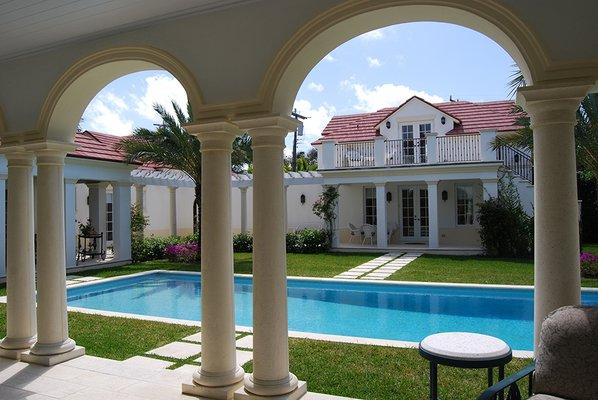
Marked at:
<point>354,232</point>
<point>369,232</point>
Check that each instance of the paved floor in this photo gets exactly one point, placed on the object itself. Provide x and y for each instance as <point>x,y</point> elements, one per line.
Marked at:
<point>393,266</point>
<point>367,267</point>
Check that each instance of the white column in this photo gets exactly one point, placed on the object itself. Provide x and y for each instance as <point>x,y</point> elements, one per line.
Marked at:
<point>3,226</point>
<point>336,233</point>
<point>53,343</point>
<point>380,151</point>
<point>243,209</point>
<point>490,188</point>
<point>556,251</point>
<point>433,229</point>
<point>219,375</point>
<point>70,221</point>
<point>381,228</point>
<point>487,136</point>
<point>21,324</point>
<point>173,224</point>
<point>121,220</point>
<point>286,208</point>
<point>431,148</point>
<point>271,376</point>
<point>97,206</point>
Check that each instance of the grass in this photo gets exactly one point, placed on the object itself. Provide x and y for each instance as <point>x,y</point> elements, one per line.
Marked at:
<point>366,372</point>
<point>590,248</point>
<point>472,269</point>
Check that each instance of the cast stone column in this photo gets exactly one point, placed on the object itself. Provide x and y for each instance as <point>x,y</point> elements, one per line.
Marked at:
<point>271,376</point>
<point>121,220</point>
<point>243,209</point>
<point>556,252</point>
<point>53,344</point>
<point>21,324</point>
<point>219,375</point>
<point>433,229</point>
<point>173,224</point>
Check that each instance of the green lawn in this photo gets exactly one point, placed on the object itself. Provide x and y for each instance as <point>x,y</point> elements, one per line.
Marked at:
<point>590,248</point>
<point>367,372</point>
<point>472,269</point>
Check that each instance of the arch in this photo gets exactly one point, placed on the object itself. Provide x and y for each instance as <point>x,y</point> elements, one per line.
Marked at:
<point>329,30</point>
<point>2,123</point>
<point>73,91</point>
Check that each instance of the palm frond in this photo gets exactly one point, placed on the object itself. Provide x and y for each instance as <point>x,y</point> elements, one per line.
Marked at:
<point>517,81</point>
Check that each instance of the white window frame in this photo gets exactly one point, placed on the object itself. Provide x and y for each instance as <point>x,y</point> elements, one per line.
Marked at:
<point>374,207</point>
<point>473,207</point>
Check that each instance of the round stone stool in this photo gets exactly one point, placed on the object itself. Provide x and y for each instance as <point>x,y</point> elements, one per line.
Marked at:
<point>464,350</point>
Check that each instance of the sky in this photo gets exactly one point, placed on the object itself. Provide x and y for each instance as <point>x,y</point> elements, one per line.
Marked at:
<point>381,68</point>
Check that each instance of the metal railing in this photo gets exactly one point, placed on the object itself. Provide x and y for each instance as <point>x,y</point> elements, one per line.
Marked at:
<point>517,161</point>
<point>458,148</point>
<point>405,152</point>
<point>355,154</point>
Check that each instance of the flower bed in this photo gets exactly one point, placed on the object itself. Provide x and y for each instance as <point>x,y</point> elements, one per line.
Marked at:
<point>182,252</point>
<point>589,265</point>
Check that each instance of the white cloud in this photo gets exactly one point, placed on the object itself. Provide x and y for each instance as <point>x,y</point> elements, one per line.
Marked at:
<point>104,115</point>
<point>317,121</point>
<point>376,34</point>
<point>329,58</point>
<point>316,87</point>
<point>116,101</point>
<point>161,89</point>
<point>386,95</point>
<point>374,62</point>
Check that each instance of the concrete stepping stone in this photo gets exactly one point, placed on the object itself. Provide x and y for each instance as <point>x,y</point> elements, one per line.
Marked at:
<point>368,266</point>
<point>390,268</point>
<point>179,350</point>
<point>147,363</point>
<point>245,342</point>
<point>196,337</point>
<point>187,369</point>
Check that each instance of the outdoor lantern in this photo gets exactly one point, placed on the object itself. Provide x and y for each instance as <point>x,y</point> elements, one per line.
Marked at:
<point>388,124</point>
<point>388,197</point>
<point>444,195</point>
<point>302,199</point>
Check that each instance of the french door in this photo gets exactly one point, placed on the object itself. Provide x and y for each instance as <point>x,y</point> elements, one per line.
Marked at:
<point>413,211</point>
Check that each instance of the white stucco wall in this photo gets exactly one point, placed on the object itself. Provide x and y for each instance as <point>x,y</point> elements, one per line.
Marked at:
<point>413,113</point>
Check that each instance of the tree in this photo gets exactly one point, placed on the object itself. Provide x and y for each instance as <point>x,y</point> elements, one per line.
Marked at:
<point>170,146</point>
<point>325,206</point>
<point>303,163</point>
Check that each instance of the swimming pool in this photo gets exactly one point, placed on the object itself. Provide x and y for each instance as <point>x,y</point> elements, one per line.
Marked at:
<point>406,312</point>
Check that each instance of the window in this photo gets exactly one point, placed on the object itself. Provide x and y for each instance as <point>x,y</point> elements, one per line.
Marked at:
<point>408,151</point>
<point>464,204</point>
<point>424,129</point>
<point>370,206</point>
<point>108,216</point>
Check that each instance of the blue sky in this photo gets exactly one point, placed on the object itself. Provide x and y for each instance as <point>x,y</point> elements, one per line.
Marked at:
<point>379,69</point>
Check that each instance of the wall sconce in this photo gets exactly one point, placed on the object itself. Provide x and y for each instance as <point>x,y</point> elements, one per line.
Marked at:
<point>302,199</point>
<point>388,197</point>
<point>444,195</point>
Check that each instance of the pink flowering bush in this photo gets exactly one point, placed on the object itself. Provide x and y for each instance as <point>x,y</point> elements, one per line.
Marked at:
<point>183,252</point>
<point>589,265</point>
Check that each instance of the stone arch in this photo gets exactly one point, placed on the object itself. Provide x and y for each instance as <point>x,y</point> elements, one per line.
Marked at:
<point>2,123</point>
<point>329,30</point>
<point>77,86</point>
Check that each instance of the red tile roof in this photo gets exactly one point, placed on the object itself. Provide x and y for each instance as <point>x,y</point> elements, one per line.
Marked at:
<point>97,146</point>
<point>473,117</point>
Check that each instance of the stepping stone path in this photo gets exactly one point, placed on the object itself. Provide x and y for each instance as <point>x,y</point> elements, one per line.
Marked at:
<point>393,266</point>
<point>367,267</point>
<point>188,351</point>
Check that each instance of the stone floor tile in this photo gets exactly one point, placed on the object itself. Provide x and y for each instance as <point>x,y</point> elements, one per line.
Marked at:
<point>41,385</point>
<point>187,369</point>
<point>99,380</point>
<point>244,356</point>
<point>178,350</point>
<point>245,342</point>
<point>152,391</point>
<point>196,337</point>
<point>147,363</point>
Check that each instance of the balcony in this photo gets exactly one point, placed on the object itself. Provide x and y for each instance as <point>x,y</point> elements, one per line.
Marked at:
<point>433,149</point>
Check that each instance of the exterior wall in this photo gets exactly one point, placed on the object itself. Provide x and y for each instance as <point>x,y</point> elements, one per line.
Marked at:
<point>301,215</point>
<point>415,112</point>
<point>452,234</point>
<point>81,206</point>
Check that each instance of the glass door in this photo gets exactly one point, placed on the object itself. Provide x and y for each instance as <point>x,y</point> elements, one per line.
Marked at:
<point>415,222</point>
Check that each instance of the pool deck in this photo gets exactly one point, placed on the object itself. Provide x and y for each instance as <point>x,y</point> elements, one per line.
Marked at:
<point>94,378</point>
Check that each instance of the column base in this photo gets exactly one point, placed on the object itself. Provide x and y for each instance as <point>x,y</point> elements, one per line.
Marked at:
<point>52,359</point>
<point>282,387</point>
<point>297,393</point>
<point>199,385</point>
<point>13,347</point>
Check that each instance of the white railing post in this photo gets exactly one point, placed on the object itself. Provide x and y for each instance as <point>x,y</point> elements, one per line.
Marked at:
<point>328,154</point>
<point>380,151</point>
<point>487,136</point>
<point>431,154</point>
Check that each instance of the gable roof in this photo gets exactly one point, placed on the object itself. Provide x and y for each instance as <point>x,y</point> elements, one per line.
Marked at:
<point>97,146</point>
<point>409,100</point>
<point>470,118</point>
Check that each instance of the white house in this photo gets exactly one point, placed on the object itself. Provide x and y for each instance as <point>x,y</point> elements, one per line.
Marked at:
<point>414,174</point>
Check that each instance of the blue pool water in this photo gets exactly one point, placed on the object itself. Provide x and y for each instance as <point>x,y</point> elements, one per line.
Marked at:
<point>372,310</point>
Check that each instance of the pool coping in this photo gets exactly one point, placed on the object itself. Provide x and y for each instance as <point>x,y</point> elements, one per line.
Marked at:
<point>297,334</point>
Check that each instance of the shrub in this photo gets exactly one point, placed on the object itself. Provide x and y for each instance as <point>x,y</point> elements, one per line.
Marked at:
<point>589,265</point>
<point>325,206</point>
<point>308,241</point>
<point>138,220</point>
<point>150,248</point>
<point>243,243</point>
<point>292,240</point>
<point>505,229</point>
<point>183,252</point>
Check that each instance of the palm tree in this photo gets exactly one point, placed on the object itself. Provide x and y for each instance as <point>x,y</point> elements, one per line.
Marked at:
<point>170,146</point>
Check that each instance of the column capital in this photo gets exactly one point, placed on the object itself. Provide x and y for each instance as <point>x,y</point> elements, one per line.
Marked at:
<point>50,152</point>
<point>214,135</point>
<point>268,130</point>
<point>18,156</point>
<point>99,185</point>
<point>432,182</point>
<point>380,184</point>
<point>71,181</point>
<point>552,103</point>
<point>172,188</point>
